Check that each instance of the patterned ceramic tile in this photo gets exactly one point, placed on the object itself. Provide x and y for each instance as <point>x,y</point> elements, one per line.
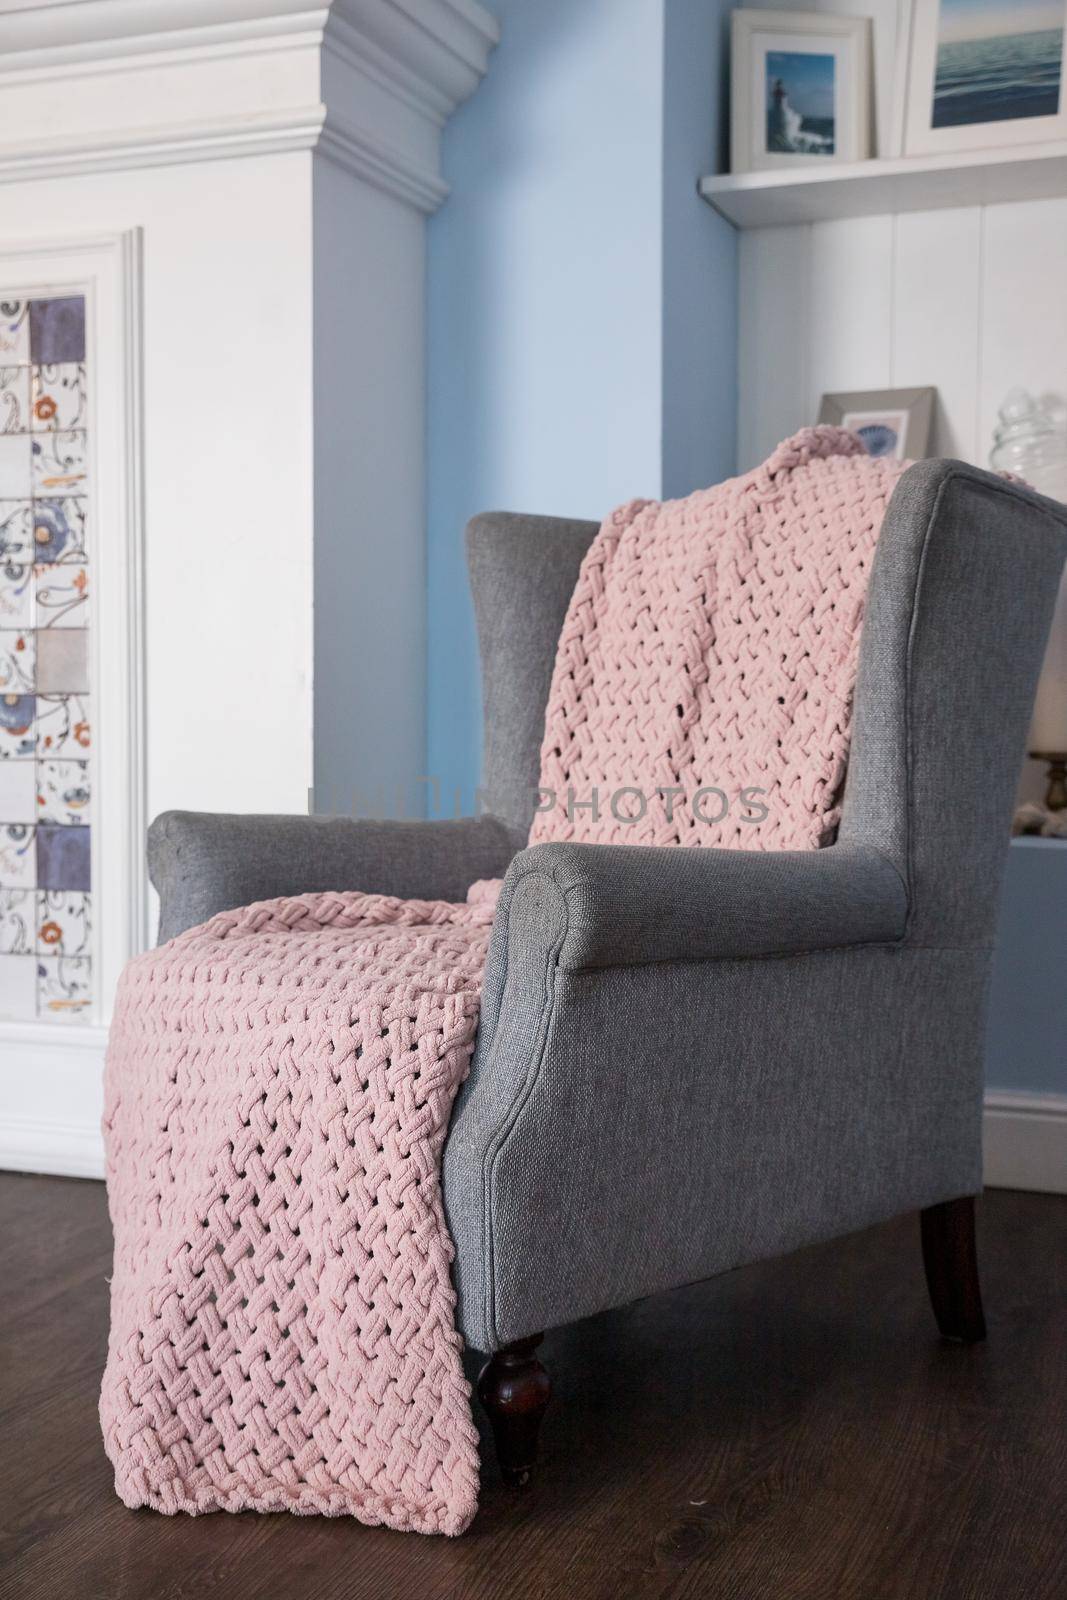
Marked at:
<point>63,923</point>
<point>18,793</point>
<point>62,595</point>
<point>59,529</point>
<point>16,476</point>
<point>18,912</point>
<point>63,792</point>
<point>14,399</point>
<point>63,858</point>
<point>64,988</point>
<point>18,854</point>
<point>17,652</point>
<point>45,776</point>
<point>63,727</point>
<point>60,464</point>
<point>60,398</point>
<point>18,735</point>
<point>57,330</point>
<point>18,988</point>
<point>16,595</point>
<point>62,660</point>
<point>16,530</point>
<point>14,331</point>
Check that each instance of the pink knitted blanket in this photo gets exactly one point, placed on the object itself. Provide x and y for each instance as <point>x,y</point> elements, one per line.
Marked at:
<point>279,1081</point>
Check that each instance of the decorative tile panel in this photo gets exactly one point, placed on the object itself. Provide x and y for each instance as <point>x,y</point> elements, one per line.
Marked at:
<point>16,595</point>
<point>64,988</point>
<point>14,332</point>
<point>61,595</point>
<point>62,725</point>
<point>63,793</point>
<point>18,913</point>
<point>59,398</point>
<point>62,926</point>
<point>17,655</point>
<point>59,464</point>
<point>45,688</point>
<point>16,530</point>
<point>14,398</point>
<point>18,853</point>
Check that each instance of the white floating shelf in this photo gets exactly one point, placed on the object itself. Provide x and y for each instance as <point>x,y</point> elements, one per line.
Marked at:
<point>907,183</point>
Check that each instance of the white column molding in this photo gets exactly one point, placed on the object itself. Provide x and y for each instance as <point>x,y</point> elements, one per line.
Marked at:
<point>367,83</point>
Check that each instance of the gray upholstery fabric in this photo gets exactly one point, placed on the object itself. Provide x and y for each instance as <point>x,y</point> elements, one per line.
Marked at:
<point>523,571</point>
<point>626,904</point>
<point>961,598</point>
<point>203,862</point>
<point>691,1059</point>
<point>630,1129</point>
<point>634,1119</point>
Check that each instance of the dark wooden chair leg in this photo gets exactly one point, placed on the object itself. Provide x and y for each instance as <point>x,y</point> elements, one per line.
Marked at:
<point>952,1269</point>
<point>515,1390</point>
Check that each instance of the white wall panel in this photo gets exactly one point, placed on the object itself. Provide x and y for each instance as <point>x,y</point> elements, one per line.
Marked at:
<point>1024,304</point>
<point>936,320</point>
<point>849,322</point>
<point>773,346</point>
<point>972,300</point>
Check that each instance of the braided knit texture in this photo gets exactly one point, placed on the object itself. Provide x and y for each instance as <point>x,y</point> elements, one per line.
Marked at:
<point>279,1080</point>
<point>713,641</point>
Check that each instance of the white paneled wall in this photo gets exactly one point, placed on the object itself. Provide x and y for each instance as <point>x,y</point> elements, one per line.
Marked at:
<point>971,300</point>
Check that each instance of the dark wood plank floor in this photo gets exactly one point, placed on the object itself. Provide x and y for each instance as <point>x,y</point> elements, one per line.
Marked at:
<point>791,1432</point>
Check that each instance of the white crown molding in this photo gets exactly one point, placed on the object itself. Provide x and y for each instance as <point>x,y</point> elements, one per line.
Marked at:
<point>438,48</point>
<point>367,83</point>
<point>362,153</point>
<point>207,139</point>
<point>357,150</point>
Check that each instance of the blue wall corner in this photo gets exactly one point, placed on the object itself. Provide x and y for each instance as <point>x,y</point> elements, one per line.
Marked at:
<point>699,255</point>
<point>581,300</point>
<point>1026,1042</point>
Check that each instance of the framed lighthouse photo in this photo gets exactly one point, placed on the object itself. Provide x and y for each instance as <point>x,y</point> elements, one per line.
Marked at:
<point>800,90</point>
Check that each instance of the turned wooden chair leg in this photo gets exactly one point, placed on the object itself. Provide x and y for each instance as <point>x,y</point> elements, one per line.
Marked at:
<point>515,1389</point>
<point>952,1269</point>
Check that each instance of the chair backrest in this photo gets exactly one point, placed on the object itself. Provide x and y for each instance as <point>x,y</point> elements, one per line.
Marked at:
<point>958,609</point>
<point>522,573</point>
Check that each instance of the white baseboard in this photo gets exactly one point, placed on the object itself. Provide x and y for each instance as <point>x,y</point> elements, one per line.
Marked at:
<point>1026,1141</point>
<point>51,1097</point>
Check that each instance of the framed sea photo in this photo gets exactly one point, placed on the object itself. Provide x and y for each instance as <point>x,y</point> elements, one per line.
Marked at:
<point>800,90</point>
<point>892,423</point>
<point>980,73</point>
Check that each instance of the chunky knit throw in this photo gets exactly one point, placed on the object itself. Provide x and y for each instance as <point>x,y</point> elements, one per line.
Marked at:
<point>279,1080</point>
<point>702,692</point>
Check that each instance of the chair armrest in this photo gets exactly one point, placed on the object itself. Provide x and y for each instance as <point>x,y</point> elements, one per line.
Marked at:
<point>627,904</point>
<point>204,862</point>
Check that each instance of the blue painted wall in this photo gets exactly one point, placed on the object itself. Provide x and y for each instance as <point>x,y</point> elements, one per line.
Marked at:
<point>581,299</point>
<point>699,255</point>
<point>1026,1046</point>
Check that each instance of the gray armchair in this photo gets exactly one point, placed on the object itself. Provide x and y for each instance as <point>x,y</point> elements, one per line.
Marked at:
<point>692,1059</point>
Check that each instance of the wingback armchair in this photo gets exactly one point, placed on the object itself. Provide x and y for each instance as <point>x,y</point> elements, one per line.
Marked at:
<point>691,1059</point>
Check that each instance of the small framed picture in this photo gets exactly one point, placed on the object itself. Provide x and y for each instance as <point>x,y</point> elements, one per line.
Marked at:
<point>891,422</point>
<point>978,73</point>
<point>800,89</point>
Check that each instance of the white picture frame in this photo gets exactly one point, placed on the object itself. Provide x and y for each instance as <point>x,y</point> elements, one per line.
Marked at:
<point>838,69</point>
<point>920,129</point>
